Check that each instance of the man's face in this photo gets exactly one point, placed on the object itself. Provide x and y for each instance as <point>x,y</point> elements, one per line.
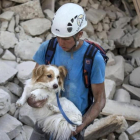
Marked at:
<point>66,43</point>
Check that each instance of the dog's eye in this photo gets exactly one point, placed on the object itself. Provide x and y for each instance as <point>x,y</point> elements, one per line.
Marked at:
<point>58,77</point>
<point>49,76</point>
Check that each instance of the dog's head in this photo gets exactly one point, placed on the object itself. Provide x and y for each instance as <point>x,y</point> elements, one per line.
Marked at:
<point>49,76</point>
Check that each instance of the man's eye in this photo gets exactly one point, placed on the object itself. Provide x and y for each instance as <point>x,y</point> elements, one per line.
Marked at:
<point>49,76</point>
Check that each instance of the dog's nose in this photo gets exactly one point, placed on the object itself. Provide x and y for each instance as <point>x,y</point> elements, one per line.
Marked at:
<point>55,86</point>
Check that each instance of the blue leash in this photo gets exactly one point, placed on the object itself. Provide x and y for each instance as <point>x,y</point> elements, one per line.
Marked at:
<point>65,116</point>
<point>62,112</point>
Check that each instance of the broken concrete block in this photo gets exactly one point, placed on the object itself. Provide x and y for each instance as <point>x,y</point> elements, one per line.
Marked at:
<point>130,112</point>
<point>103,127</point>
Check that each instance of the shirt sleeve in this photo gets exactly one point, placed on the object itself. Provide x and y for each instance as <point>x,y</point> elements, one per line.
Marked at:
<point>98,69</point>
<point>39,56</point>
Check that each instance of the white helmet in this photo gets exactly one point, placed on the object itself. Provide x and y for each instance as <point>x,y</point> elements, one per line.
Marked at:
<point>68,20</point>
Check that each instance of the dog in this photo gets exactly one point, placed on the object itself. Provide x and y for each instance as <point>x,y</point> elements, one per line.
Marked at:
<point>46,81</point>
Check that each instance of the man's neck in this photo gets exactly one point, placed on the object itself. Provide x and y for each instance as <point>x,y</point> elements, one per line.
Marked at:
<point>79,45</point>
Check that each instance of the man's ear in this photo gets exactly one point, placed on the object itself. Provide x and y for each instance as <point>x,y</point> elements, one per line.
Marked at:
<point>63,71</point>
<point>37,72</point>
<point>79,34</point>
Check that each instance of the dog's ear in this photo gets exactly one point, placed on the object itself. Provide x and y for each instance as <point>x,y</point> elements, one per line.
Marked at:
<point>37,72</point>
<point>63,71</point>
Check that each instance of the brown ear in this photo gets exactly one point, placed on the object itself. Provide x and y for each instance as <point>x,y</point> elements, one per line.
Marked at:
<point>63,71</point>
<point>37,73</point>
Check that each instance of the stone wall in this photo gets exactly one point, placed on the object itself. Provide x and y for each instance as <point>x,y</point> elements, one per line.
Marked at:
<point>25,24</point>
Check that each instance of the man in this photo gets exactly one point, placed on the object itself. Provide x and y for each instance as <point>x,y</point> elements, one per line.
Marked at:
<point>67,26</point>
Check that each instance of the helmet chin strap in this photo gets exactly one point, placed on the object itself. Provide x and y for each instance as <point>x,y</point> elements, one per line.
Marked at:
<point>75,45</point>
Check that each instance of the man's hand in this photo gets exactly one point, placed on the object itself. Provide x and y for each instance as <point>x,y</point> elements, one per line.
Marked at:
<point>36,104</point>
<point>78,130</point>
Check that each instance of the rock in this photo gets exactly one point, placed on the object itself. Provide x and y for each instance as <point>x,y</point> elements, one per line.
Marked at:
<point>116,72</point>
<point>21,136</point>
<point>128,68</point>
<point>36,26</point>
<point>21,1</point>
<point>1,51</point>
<point>102,35</point>
<point>136,42</point>
<point>17,20</point>
<point>12,96</point>
<point>99,27</point>
<point>7,15</point>
<point>111,136</point>
<point>4,25</point>
<point>123,136</point>
<point>26,115</point>
<point>3,136</point>
<point>134,130</point>
<point>22,49</point>
<point>48,4</point>
<point>119,108</point>
<point>6,73</point>
<point>7,3</point>
<point>106,27</point>
<point>121,22</point>
<point>89,28</point>
<point>134,78</point>
<point>111,15</point>
<point>135,103</point>
<point>10,125</point>
<point>25,70</point>
<point>83,3</point>
<point>5,102</point>
<point>122,95</point>
<point>123,127</point>
<point>125,41</point>
<point>95,16</point>
<point>135,92</point>
<point>49,14</point>
<point>138,61</point>
<point>12,64</point>
<point>28,131</point>
<point>12,109</point>
<point>7,40</point>
<point>29,10</point>
<point>14,88</point>
<point>103,127</point>
<point>110,88</point>
<point>135,20</point>
<point>115,34</point>
<point>12,24</point>
<point>111,57</point>
<point>8,55</point>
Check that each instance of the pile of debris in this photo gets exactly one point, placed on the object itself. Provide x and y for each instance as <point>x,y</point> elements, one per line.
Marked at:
<point>25,24</point>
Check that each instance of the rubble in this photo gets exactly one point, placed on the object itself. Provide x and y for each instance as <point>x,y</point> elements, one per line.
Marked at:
<point>25,24</point>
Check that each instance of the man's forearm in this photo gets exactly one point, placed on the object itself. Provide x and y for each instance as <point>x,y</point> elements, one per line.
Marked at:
<point>93,113</point>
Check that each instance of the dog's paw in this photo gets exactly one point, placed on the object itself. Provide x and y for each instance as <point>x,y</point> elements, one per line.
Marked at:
<point>53,108</point>
<point>19,103</point>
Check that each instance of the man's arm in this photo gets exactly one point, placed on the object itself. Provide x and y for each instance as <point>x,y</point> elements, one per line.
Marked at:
<point>98,91</point>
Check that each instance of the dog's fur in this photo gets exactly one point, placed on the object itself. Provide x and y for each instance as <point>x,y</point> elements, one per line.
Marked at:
<point>46,81</point>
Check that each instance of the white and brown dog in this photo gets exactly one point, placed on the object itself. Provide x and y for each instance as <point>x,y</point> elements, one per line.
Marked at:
<point>46,81</point>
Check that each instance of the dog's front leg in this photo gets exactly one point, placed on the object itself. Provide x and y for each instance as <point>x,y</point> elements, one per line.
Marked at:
<point>26,93</point>
<point>53,108</point>
<point>39,94</point>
